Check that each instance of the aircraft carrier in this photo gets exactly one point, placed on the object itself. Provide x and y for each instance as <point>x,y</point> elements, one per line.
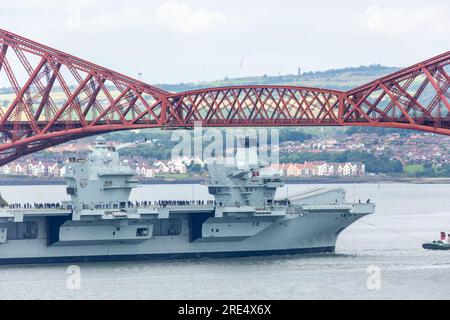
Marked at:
<point>100,223</point>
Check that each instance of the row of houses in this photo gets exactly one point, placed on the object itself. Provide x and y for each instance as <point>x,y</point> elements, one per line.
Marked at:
<point>34,168</point>
<point>39,168</point>
<point>42,168</point>
<point>409,149</point>
<point>146,170</point>
<point>159,167</point>
<point>319,168</point>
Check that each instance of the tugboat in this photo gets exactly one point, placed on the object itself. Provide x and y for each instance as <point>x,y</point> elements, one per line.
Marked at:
<point>101,223</point>
<point>442,244</point>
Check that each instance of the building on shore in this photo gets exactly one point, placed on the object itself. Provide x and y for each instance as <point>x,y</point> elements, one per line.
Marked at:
<point>319,168</point>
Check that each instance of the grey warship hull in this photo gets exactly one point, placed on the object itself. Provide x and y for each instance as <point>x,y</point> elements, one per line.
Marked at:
<point>164,256</point>
<point>313,233</point>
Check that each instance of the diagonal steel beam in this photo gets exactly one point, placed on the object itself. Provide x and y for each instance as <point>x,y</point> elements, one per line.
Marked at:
<point>437,88</point>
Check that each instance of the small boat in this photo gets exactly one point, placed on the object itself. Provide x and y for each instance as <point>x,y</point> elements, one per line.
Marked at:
<point>436,245</point>
<point>441,244</point>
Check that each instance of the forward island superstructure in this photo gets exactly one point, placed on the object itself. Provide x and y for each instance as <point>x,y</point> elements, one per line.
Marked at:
<point>99,222</point>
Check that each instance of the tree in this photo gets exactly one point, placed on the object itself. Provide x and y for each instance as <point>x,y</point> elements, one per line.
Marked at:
<point>427,165</point>
<point>194,168</point>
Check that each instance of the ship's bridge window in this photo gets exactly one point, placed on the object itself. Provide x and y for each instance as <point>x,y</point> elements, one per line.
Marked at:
<point>108,183</point>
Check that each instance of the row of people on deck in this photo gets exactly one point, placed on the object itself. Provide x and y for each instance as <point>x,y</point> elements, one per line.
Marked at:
<point>129,204</point>
<point>176,203</point>
<point>35,205</point>
<point>143,204</point>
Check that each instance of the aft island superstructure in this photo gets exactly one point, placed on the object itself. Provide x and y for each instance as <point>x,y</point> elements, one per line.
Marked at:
<point>101,223</point>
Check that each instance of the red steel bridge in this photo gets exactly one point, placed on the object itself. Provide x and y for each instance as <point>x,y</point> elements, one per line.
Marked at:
<point>56,97</point>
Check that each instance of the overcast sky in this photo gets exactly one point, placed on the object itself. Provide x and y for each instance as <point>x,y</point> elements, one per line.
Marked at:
<point>195,40</point>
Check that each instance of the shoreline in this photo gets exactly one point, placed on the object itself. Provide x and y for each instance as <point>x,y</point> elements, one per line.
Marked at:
<point>29,181</point>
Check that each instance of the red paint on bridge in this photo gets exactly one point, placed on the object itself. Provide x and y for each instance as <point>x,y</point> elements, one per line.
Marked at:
<point>61,97</point>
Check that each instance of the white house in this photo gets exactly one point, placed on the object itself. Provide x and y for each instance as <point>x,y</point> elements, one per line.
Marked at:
<point>351,169</point>
<point>144,170</point>
<point>62,171</point>
<point>6,169</point>
<point>35,168</point>
<point>18,169</point>
<point>176,166</point>
<point>53,169</point>
<point>161,167</point>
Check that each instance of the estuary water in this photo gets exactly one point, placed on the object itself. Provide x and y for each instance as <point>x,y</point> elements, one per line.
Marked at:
<point>379,257</point>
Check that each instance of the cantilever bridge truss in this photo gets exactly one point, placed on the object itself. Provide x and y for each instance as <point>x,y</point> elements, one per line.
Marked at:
<point>56,97</point>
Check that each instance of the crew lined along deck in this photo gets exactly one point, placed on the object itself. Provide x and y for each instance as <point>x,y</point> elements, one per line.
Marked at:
<point>126,205</point>
<point>149,204</point>
<point>36,205</point>
<point>112,205</point>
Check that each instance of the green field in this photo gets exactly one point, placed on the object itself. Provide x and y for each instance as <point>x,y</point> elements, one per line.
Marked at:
<point>413,168</point>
